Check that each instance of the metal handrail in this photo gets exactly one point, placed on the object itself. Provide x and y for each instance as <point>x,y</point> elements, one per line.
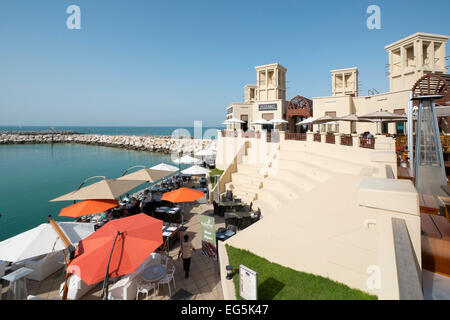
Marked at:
<point>84,182</point>
<point>143,167</point>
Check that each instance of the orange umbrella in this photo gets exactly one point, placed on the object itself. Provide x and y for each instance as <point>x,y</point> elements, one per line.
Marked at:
<point>120,247</point>
<point>182,195</point>
<point>86,207</point>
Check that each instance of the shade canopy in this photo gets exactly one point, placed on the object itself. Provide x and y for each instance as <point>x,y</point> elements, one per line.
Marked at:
<point>260,121</point>
<point>87,207</point>
<point>182,195</point>
<point>104,189</point>
<point>380,114</point>
<point>164,167</point>
<point>353,117</point>
<point>150,175</point>
<point>277,121</point>
<point>187,160</point>
<point>325,119</point>
<point>233,121</point>
<point>42,240</point>
<point>139,236</point>
<point>195,170</point>
<point>309,120</point>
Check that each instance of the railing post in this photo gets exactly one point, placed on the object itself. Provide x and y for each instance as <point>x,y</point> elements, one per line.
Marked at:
<point>355,141</point>
<point>310,136</point>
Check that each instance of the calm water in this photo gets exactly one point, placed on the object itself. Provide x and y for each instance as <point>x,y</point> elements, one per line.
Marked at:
<point>31,175</point>
<point>138,131</point>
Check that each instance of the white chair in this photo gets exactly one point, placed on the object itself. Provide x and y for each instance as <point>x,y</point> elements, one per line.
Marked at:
<point>126,287</point>
<point>43,266</point>
<point>145,287</point>
<point>167,279</point>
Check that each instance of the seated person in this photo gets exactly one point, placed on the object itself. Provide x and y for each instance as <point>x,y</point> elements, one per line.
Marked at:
<point>126,199</point>
<point>132,207</point>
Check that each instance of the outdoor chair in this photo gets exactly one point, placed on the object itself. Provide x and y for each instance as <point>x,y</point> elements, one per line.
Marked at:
<point>145,287</point>
<point>229,195</point>
<point>216,208</point>
<point>169,277</point>
<point>126,287</point>
<point>257,216</point>
<point>231,221</point>
<point>244,223</point>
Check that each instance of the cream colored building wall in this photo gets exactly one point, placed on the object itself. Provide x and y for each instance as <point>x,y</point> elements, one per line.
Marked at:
<point>414,56</point>
<point>345,105</point>
<point>340,104</point>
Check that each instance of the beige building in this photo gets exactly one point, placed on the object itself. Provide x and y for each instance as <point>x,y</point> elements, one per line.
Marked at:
<point>265,100</point>
<point>409,59</point>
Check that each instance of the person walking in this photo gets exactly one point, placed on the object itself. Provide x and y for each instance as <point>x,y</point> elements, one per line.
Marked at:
<point>186,249</point>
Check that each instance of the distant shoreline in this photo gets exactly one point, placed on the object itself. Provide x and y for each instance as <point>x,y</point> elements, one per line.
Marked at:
<point>163,144</point>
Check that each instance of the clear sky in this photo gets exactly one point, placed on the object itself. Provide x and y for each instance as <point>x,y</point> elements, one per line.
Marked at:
<point>158,63</point>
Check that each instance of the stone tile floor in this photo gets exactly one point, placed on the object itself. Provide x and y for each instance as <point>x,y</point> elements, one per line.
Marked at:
<point>203,282</point>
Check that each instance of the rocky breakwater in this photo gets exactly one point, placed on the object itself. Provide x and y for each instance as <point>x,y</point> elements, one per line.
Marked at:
<point>165,144</point>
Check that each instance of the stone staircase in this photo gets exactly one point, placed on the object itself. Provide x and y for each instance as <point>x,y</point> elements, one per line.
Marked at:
<point>284,175</point>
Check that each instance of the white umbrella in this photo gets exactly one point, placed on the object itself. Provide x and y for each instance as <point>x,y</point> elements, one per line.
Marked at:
<point>195,170</point>
<point>164,167</point>
<point>42,240</point>
<point>260,121</point>
<point>187,160</point>
<point>306,121</point>
<point>277,121</point>
<point>233,121</point>
<point>205,153</point>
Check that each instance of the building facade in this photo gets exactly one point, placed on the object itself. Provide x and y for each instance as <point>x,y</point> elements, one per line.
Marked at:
<point>409,59</point>
<point>265,100</point>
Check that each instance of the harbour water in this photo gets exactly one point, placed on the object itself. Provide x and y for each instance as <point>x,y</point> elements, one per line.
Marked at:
<point>31,175</point>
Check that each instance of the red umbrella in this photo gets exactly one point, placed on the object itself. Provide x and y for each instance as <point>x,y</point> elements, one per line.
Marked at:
<point>120,247</point>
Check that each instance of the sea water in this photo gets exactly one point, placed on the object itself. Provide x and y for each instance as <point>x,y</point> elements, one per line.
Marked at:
<point>32,175</point>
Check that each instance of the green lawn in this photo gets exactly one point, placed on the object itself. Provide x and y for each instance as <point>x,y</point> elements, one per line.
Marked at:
<point>214,172</point>
<point>276,282</point>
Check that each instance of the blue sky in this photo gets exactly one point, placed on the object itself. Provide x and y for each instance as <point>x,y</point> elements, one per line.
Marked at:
<point>157,63</point>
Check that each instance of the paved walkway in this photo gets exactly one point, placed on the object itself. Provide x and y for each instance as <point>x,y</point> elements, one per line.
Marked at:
<point>203,283</point>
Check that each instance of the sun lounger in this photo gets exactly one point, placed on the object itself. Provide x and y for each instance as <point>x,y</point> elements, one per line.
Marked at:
<point>43,266</point>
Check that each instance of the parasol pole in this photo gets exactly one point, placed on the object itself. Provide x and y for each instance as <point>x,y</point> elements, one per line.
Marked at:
<point>69,246</point>
<point>105,281</point>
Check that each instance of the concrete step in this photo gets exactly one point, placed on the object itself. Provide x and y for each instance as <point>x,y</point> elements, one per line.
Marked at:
<point>267,209</point>
<point>252,169</point>
<point>341,165</point>
<point>313,171</point>
<point>287,185</point>
<point>245,187</point>
<point>244,178</point>
<point>297,180</point>
<point>275,198</point>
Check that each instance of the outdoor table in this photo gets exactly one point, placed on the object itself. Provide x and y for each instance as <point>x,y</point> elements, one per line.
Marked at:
<point>153,273</point>
<point>17,284</point>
